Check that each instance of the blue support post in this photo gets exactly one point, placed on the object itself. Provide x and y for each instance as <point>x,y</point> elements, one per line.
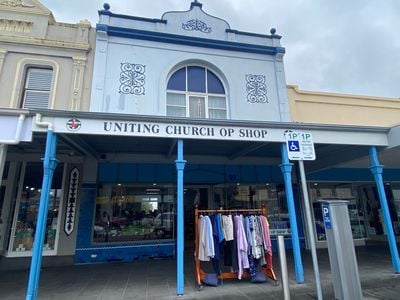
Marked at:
<point>180,166</point>
<point>49,165</point>
<point>377,170</point>
<point>286,169</point>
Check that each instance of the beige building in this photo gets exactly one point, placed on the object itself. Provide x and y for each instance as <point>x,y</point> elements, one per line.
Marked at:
<point>342,109</point>
<point>43,63</point>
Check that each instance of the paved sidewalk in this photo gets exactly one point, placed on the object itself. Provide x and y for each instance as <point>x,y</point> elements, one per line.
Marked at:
<point>155,279</point>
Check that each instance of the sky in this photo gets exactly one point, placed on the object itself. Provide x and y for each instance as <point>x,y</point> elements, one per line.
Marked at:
<point>342,46</point>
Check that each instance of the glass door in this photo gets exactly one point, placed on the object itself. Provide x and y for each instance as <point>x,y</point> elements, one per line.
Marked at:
<point>194,195</point>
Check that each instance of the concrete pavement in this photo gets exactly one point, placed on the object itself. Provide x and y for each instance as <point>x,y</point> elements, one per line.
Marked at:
<point>156,279</point>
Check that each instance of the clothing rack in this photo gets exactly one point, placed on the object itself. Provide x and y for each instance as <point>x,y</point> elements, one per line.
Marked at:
<point>200,274</point>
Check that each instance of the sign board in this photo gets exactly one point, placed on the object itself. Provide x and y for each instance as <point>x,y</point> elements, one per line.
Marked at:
<point>162,129</point>
<point>9,124</point>
<point>326,215</point>
<point>300,145</point>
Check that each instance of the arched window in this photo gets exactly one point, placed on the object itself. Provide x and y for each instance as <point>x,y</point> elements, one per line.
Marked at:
<point>196,92</point>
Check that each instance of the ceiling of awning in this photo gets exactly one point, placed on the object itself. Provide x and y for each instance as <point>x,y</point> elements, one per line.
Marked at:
<point>328,156</point>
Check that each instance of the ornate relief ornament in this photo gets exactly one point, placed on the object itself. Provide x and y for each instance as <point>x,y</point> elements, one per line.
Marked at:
<point>196,25</point>
<point>132,79</point>
<point>256,89</point>
<point>15,26</point>
<point>70,210</point>
<point>15,3</point>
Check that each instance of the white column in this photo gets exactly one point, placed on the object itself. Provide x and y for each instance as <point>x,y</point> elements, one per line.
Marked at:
<point>99,73</point>
<point>281,88</point>
<point>3,53</point>
<point>78,72</point>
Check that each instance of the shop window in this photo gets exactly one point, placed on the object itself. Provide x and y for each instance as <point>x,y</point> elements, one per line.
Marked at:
<point>27,206</point>
<point>130,213</point>
<point>374,214</point>
<point>196,92</point>
<point>396,207</point>
<point>338,191</point>
<point>37,88</point>
<point>243,196</point>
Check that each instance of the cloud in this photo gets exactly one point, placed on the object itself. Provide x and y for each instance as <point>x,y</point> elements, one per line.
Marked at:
<point>341,46</point>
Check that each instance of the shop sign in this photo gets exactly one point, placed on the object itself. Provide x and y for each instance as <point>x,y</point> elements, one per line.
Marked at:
<point>166,130</point>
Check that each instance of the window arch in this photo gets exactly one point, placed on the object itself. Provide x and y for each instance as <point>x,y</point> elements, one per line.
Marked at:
<point>196,92</point>
<point>37,87</point>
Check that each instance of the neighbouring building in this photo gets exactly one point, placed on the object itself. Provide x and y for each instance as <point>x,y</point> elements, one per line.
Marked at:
<point>44,65</point>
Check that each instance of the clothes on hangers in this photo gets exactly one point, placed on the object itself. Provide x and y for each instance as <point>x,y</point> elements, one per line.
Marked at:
<point>243,261</point>
<point>227,227</point>
<point>243,240</point>
<point>268,245</point>
<point>235,259</point>
<point>217,238</point>
<point>206,243</point>
<point>256,237</point>
<point>252,262</point>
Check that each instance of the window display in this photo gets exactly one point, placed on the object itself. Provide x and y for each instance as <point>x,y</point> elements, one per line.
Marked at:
<point>396,202</point>
<point>129,213</point>
<point>337,191</point>
<point>375,222</point>
<point>27,207</point>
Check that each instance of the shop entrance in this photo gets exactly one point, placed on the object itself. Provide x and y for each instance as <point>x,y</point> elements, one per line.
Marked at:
<point>375,223</point>
<point>199,195</point>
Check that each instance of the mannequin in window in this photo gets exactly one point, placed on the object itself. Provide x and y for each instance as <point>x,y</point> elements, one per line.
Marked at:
<point>105,220</point>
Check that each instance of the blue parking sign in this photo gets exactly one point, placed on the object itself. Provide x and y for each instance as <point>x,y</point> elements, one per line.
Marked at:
<point>326,215</point>
<point>293,146</point>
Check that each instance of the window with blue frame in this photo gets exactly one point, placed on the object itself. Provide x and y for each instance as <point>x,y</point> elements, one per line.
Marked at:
<point>196,92</point>
<point>134,213</point>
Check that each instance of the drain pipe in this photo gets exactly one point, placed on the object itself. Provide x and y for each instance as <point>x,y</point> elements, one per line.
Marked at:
<point>40,123</point>
<point>49,165</point>
<point>18,132</point>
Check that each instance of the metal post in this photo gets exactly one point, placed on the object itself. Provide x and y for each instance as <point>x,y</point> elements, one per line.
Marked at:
<point>284,272</point>
<point>377,170</point>
<point>49,165</point>
<point>342,255</point>
<point>286,169</point>
<point>310,230</point>
<point>180,166</point>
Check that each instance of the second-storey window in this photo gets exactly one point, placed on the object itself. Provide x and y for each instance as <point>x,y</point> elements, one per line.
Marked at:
<point>37,88</point>
<point>196,92</point>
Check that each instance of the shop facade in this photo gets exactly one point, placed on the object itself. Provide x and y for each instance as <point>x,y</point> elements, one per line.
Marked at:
<point>44,65</point>
<point>351,179</point>
<point>184,95</point>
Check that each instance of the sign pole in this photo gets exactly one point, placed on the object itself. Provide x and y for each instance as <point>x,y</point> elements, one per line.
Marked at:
<point>300,146</point>
<point>310,230</point>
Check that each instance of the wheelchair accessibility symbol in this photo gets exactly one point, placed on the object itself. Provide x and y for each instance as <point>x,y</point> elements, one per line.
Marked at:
<point>294,146</point>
